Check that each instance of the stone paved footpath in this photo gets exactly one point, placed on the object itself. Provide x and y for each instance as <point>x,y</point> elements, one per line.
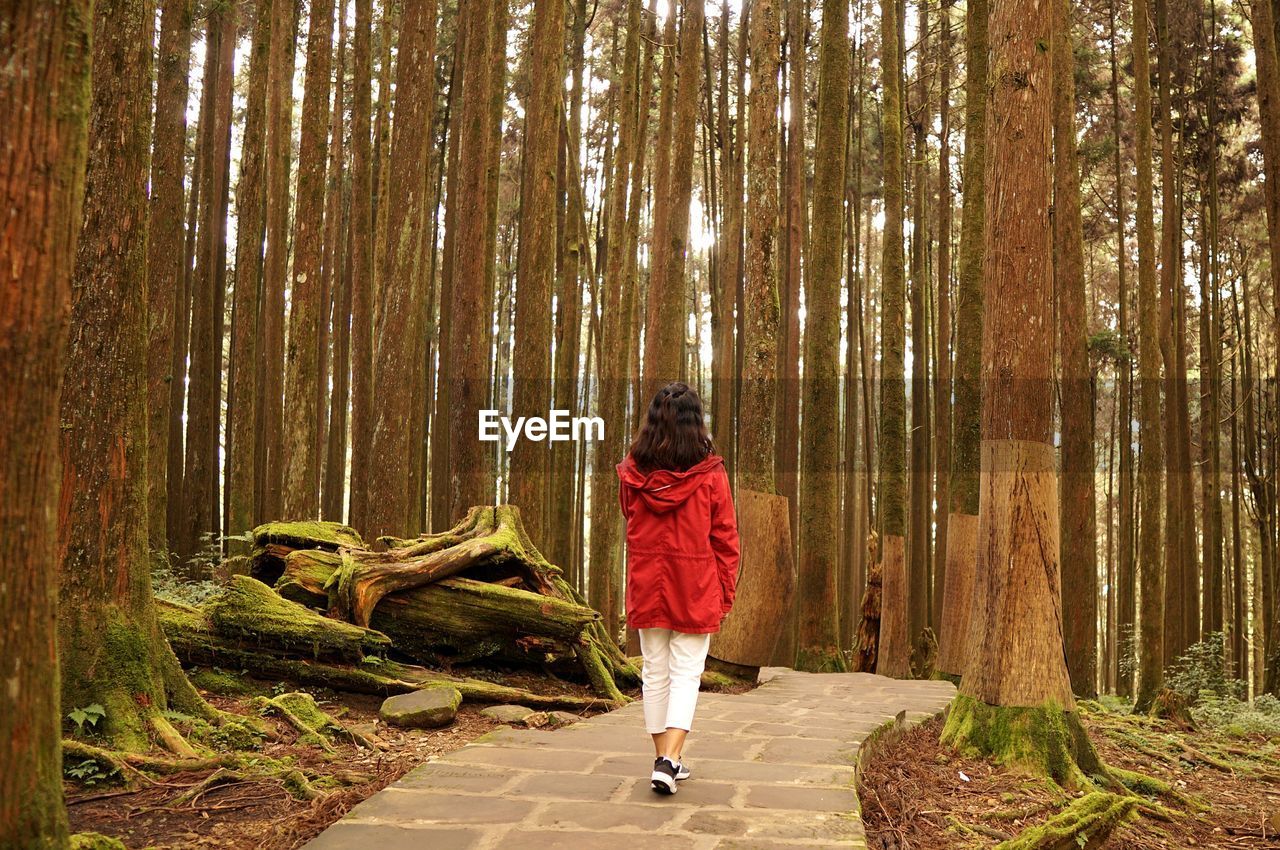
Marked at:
<point>772,768</point>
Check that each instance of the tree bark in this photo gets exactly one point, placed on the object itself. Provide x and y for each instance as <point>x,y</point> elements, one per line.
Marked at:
<point>45,107</point>
<point>1078,532</point>
<point>361,249</point>
<point>962,522</point>
<point>301,475</point>
<point>819,637</point>
<point>401,283</point>
<point>165,250</point>
<point>943,391</point>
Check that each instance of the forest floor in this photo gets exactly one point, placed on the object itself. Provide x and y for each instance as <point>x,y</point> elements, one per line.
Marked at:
<point>918,794</point>
<point>260,813</point>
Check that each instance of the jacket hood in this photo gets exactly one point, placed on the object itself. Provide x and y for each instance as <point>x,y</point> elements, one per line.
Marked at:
<point>664,490</point>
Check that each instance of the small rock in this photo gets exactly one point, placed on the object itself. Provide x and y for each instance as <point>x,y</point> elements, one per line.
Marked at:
<point>562,718</point>
<point>517,714</point>
<point>433,706</point>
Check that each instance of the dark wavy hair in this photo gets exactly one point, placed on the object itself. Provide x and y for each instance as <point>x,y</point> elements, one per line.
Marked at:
<point>674,435</point>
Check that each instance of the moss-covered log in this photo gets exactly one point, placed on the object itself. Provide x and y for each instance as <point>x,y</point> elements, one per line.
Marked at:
<point>195,641</point>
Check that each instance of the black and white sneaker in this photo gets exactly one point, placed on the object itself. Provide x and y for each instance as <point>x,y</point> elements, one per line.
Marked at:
<point>682,772</point>
<point>665,773</point>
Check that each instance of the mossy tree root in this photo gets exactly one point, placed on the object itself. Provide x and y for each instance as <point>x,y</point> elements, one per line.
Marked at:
<point>315,726</point>
<point>1086,823</point>
<point>1043,740</point>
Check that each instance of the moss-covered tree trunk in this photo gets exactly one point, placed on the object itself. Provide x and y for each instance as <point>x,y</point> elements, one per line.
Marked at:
<point>1015,702</point>
<point>1078,531</point>
<point>819,624</point>
<point>962,521</point>
<point>45,110</point>
<point>894,650</point>
<point>112,651</point>
<point>402,281</point>
<point>942,395</point>
<point>1150,442</point>
<point>302,389</point>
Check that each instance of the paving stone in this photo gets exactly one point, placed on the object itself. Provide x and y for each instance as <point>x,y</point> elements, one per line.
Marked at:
<point>774,825</point>
<point>563,761</point>
<point>406,806</point>
<point>774,797</point>
<point>560,839</point>
<point>354,836</point>
<point>693,792</point>
<point>519,714</point>
<point>809,751</point>
<point>442,776</point>
<point>567,786</point>
<point>612,816</point>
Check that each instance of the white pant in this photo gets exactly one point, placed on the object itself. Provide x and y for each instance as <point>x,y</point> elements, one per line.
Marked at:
<point>673,663</point>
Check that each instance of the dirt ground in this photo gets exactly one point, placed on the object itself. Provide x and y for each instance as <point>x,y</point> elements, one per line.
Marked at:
<point>919,795</point>
<point>260,814</point>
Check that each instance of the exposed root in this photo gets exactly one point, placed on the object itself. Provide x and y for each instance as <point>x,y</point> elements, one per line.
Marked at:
<point>1085,823</point>
<point>314,726</point>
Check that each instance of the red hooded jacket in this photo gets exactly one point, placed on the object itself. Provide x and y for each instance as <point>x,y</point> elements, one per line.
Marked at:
<point>682,546</point>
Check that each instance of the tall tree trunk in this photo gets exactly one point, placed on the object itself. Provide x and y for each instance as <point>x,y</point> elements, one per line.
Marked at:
<point>270,435</point>
<point>962,522</point>
<point>537,262</point>
<point>667,314</point>
<point>301,497</point>
<point>332,441</point>
<point>921,498</point>
<point>1015,699</point>
<point>942,393</point>
<point>1151,451</point>
<point>401,282</point>
<point>1078,532</point>
<point>819,635</point>
<point>1211,372</point>
<point>361,249</point>
<point>45,109</point>
<point>242,380</point>
<point>894,648</point>
<point>165,250</point>
<point>791,277</point>
<point>111,649</point>
<point>200,471</point>
<point>756,417</point>
<point>1126,592</point>
<point>469,475</point>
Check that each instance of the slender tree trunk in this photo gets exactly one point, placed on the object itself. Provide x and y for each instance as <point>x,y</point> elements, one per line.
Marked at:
<point>962,522</point>
<point>361,248</point>
<point>537,261</point>
<point>942,393</point>
<point>469,474</point>
<point>894,648</point>
<point>919,492</point>
<point>756,417</point>
<point>182,338</point>
<point>335,323</point>
<point>165,250</point>
<point>1151,451</point>
<point>724,389</point>
<point>1211,374</point>
<point>45,107</point>
<point>819,635</point>
<point>401,282</point>
<point>111,650</point>
<point>301,497</point>
<point>242,381</point>
<point>269,450</point>
<point>200,471</point>
<point>1078,532</point>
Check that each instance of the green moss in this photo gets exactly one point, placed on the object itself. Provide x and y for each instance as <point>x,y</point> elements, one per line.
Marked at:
<point>307,535</point>
<point>251,611</point>
<point>821,660</point>
<point>1086,823</point>
<point>223,683</point>
<point>1043,740</point>
<point>95,841</point>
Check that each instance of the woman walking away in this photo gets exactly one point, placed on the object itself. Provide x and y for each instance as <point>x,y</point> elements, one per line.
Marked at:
<point>682,564</point>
